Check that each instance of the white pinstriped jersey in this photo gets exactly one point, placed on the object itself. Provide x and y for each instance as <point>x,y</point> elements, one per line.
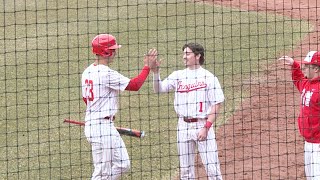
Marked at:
<point>195,91</point>
<point>101,86</point>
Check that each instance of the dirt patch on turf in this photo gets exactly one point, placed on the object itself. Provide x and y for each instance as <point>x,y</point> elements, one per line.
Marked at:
<point>261,140</point>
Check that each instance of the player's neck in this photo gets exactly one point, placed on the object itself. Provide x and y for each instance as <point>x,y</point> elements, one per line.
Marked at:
<point>101,61</point>
<point>194,67</point>
<point>315,78</point>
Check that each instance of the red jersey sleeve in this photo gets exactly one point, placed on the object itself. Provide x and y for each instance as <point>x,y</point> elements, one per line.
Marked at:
<point>297,75</point>
<point>136,82</point>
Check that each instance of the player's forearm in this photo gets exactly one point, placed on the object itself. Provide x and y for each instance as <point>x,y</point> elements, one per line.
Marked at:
<point>157,85</point>
<point>136,83</point>
<point>212,116</point>
<point>297,74</point>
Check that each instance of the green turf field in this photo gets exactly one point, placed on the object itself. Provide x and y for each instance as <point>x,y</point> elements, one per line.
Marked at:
<point>45,46</point>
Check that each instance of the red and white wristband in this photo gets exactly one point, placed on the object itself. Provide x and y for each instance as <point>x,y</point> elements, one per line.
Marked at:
<point>208,124</point>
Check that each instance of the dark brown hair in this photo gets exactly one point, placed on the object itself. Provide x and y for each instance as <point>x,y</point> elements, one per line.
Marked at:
<point>196,49</point>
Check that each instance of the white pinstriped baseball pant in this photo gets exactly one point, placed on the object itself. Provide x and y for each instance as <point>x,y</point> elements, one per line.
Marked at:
<point>312,160</point>
<point>109,153</point>
<point>187,142</point>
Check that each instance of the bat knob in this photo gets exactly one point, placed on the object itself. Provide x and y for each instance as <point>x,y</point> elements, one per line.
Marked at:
<point>142,134</point>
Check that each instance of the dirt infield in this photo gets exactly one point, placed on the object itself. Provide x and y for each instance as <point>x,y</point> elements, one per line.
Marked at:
<point>261,140</point>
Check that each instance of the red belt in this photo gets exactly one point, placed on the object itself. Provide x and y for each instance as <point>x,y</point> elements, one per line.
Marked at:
<point>112,118</point>
<point>189,120</point>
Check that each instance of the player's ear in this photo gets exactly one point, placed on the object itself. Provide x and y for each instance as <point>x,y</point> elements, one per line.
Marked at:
<point>198,56</point>
<point>108,53</point>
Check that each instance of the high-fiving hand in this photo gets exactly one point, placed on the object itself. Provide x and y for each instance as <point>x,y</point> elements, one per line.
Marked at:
<point>286,60</point>
<point>150,58</point>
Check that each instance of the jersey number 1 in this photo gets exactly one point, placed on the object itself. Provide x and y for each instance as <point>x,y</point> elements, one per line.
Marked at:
<point>89,90</point>
<point>200,110</point>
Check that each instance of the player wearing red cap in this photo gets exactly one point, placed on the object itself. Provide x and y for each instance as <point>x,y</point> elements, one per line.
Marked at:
<point>307,82</point>
<point>100,88</point>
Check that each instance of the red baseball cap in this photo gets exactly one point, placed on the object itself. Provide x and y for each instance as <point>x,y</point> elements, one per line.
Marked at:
<point>313,57</point>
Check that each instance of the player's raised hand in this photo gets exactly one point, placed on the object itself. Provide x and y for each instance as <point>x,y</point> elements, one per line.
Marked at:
<point>286,60</point>
<point>156,68</point>
<point>150,58</point>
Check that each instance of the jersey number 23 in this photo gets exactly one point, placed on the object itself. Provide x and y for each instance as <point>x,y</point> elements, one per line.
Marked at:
<point>89,90</point>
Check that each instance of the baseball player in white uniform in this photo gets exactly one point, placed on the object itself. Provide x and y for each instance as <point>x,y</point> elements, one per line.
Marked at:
<point>198,96</point>
<point>100,88</point>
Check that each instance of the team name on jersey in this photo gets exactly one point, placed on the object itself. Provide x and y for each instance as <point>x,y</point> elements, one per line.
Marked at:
<point>306,97</point>
<point>183,88</point>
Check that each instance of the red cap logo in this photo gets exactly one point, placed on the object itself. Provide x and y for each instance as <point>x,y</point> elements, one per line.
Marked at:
<point>313,57</point>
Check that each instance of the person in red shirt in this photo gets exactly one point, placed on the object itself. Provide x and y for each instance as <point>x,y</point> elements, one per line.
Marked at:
<point>307,80</point>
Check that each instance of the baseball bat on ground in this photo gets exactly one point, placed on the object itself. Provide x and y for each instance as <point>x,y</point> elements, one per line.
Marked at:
<point>121,130</point>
